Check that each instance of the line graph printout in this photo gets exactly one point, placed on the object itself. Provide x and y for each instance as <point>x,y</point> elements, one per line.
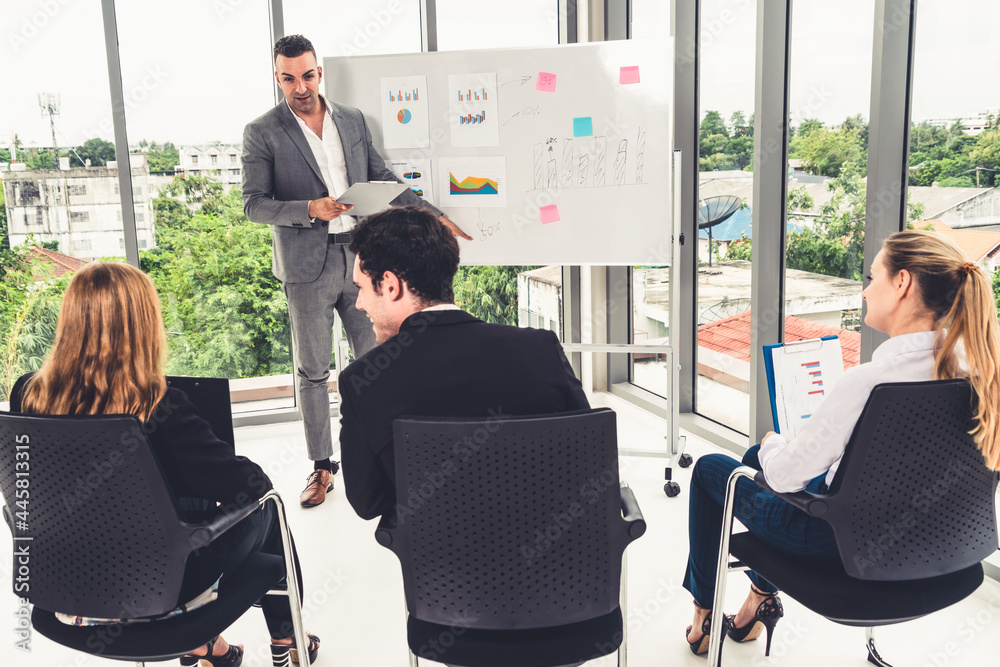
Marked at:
<point>404,112</point>
<point>472,105</point>
<point>800,375</point>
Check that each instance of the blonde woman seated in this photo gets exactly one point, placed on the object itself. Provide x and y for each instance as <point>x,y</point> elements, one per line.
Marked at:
<point>108,358</point>
<point>939,312</point>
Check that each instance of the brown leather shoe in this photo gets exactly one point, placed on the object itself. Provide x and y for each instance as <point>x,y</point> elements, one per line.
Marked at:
<point>319,484</point>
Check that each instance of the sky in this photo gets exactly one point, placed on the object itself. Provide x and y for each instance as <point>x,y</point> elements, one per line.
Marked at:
<point>196,71</point>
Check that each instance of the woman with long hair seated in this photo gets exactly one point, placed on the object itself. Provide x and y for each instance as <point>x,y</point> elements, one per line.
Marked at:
<point>108,358</point>
<point>940,314</point>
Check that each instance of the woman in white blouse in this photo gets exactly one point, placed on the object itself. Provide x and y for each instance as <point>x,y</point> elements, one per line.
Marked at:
<point>940,314</point>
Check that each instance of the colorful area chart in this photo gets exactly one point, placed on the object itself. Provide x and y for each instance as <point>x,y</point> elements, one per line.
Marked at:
<point>472,186</point>
<point>404,116</point>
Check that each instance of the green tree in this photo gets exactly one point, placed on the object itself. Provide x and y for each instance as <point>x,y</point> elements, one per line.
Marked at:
<point>29,306</point>
<point>987,154</point>
<point>163,158</point>
<point>489,292</point>
<point>220,299</point>
<point>98,151</point>
<point>4,237</point>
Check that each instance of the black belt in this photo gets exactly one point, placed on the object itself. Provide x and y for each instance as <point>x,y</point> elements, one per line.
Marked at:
<point>340,238</point>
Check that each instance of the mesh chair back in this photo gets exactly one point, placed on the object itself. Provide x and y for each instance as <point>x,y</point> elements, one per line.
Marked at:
<point>211,395</point>
<point>509,523</point>
<point>97,533</point>
<point>913,497</point>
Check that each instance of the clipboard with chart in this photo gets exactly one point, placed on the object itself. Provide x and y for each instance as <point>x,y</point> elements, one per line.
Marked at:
<point>799,374</point>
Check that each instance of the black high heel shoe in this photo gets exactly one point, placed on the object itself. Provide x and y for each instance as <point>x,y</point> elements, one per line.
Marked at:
<point>700,647</point>
<point>282,655</point>
<point>766,616</point>
<point>231,658</point>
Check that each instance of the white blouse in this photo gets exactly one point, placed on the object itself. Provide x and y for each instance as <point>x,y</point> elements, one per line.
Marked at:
<point>820,444</point>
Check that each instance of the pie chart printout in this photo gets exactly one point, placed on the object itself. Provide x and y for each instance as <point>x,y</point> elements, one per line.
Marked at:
<point>404,116</point>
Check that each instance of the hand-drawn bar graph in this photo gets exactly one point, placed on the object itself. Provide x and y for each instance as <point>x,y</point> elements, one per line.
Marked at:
<point>583,162</point>
<point>400,96</point>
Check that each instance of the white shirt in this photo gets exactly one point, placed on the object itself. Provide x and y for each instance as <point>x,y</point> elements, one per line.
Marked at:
<point>329,154</point>
<point>440,306</point>
<point>820,444</point>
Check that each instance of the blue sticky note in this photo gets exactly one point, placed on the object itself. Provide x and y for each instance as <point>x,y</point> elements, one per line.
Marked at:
<point>583,127</point>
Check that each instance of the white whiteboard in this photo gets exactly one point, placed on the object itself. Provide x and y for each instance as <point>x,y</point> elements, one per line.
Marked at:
<point>611,188</point>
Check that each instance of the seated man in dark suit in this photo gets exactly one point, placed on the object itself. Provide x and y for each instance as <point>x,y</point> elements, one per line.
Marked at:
<point>431,359</point>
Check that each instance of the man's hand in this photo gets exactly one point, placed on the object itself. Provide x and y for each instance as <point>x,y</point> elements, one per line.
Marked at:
<point>327,208</point>
<point>766,436</point>
<point>454,228</point>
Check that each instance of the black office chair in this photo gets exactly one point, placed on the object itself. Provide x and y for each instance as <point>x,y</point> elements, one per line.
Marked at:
<point>211,397</point>
<point>913,511</point>
<point>98,535</point>
<point>510,535</point>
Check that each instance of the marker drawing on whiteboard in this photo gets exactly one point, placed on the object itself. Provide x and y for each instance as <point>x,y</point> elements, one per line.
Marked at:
<point>525,78</point>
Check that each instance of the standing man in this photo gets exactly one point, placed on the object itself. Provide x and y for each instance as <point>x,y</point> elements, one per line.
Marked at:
<point>297,159</point>
<point>432,358</point>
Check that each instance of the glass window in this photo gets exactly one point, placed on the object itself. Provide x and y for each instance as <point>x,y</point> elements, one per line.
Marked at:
<point>363,27</point>
<point>224,309</point>
<point>467,25</point>
<point>56,114</point>
<point>828,160</point>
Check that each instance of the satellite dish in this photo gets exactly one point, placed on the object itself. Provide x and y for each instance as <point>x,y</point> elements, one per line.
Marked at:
<point>714,210</point>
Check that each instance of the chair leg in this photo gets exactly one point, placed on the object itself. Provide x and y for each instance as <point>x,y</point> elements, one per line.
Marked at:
<point>873,656</point>
<point>623,605</point>
<point>715,645</point>
<point>414,662</point>
<point>291,577</point>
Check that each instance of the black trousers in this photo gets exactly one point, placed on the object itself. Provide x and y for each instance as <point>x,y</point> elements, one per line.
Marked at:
<point>258,533</point>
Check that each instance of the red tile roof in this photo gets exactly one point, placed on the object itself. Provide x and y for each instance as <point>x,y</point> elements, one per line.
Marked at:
<point>731,336</point>
<point>976,244</point>
<point>62,264</point>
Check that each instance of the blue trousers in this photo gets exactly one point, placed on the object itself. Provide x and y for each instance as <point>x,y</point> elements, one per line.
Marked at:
<point>766,516</point>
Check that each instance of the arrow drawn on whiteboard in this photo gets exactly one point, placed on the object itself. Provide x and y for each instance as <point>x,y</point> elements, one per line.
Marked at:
<point>516,114</point>
<point>525,78</point>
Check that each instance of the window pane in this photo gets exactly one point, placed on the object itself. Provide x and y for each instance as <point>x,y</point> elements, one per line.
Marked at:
<point>57,212</point>
<point>725,186</point>
<point>363,27</point>
<point>185,111</point>
<point>468,25</point>
<point>828,160</point>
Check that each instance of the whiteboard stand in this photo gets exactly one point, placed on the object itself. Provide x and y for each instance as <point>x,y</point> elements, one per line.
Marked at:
<point>675,442</point>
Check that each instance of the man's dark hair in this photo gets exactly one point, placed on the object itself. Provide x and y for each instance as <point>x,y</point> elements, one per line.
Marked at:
<point>293,46</point>
<point>412,243</point>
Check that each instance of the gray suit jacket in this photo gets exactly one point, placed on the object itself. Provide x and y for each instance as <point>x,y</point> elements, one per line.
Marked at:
<point>281,177</point>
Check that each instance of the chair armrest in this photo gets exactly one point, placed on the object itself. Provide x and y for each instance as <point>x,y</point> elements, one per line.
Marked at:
<point>386,526</point>
<point>631,513</point>
<point>209,531</point>
<point>810,503</point>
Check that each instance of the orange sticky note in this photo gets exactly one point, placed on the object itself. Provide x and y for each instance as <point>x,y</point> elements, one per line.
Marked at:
<point>549,213</point>
<point>546,82</point>
<point>629,74</point>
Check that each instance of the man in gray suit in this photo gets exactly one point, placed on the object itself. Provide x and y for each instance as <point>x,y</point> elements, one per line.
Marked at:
<point>297,159</point>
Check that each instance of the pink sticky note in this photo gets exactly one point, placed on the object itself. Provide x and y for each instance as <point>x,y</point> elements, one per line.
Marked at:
<point>546,82</point>
<point>629,74</point>
<point>549,213</point>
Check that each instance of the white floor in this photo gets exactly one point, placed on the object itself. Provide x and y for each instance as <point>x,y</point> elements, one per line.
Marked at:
<point>354,591</point>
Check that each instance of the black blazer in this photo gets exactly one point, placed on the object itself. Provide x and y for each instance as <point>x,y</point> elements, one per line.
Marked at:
<point>200,469</point>
<point>442,364</point>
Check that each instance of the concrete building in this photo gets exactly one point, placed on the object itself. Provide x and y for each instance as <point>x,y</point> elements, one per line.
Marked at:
<point>221,161</point>
<point>79,207</point>
<point>956,207</point>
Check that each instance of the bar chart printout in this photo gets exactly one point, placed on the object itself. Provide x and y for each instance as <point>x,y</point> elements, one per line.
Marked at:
<point>472,107</point>
<point>404,112</point>
<point>800,374</point>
